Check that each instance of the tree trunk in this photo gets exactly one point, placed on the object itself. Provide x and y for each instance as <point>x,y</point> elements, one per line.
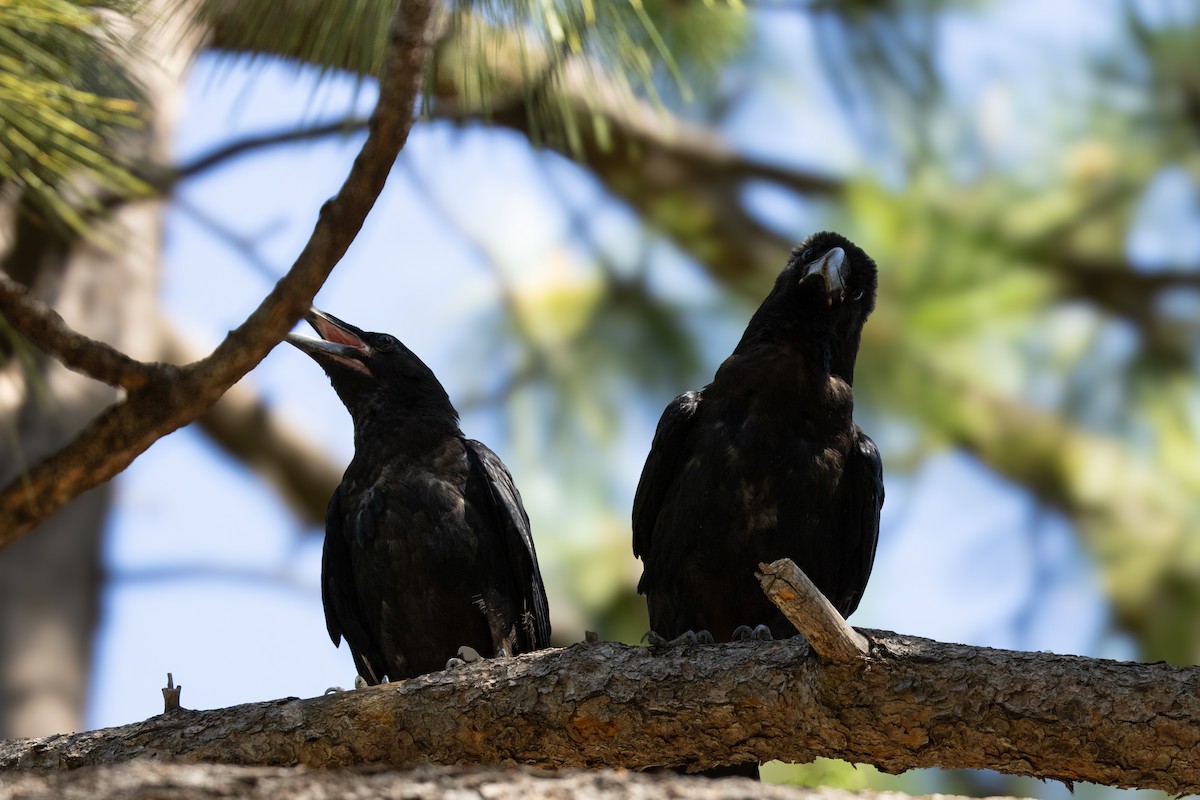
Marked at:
<point>105,287</point>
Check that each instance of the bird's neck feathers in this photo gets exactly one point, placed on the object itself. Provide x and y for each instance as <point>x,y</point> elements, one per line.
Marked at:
<point>843,353</point>
<point>411,434</point>
<point>810,346</point>
<point>414,417</point>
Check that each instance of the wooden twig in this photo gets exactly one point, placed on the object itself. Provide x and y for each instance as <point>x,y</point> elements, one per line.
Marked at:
<point>171,694</point>
<point>45,329</point>
<point>829,635</point>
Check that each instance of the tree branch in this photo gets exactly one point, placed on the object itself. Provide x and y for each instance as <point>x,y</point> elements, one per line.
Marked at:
<point>227,152</point>
<point>241,424</point>
<point>219,782</point>
<point>910,703</point>
<point>686,180</point>
<point>45,329</point>
<point>176,396</point>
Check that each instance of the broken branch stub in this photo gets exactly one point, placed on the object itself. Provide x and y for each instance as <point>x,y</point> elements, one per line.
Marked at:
<point>827,632</point>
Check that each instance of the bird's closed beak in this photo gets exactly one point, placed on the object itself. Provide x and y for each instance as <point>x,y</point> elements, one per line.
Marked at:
<point>829,266</point>
<point>340,341</point>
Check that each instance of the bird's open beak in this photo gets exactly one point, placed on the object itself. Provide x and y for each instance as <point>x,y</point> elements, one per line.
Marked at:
<point>829,266</point>
<point>340,342</point>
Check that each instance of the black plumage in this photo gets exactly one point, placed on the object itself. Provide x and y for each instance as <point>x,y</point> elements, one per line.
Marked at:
<point>427,545</point>
<point>766,461</point>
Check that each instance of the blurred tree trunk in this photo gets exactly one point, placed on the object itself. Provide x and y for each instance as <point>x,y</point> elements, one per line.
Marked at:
<point>105,286</point>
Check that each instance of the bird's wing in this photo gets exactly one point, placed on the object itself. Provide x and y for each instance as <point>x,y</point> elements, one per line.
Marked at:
<point>663,465</point>
<point>518,539</point>
<point>343,613</point>
<point>862,500</point>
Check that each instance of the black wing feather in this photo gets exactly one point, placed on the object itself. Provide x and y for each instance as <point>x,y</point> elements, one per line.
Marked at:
<point>343,614</point>
<point>518,538</point>
<point>668,453</point>
<point>862,500</point>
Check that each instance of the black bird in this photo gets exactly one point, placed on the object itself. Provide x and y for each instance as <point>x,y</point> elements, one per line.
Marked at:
<point>427,545</point>
<point>766,461</point>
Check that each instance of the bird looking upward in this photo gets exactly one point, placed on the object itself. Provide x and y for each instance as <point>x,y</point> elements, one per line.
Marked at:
<point>766,461</point>
<point>427,545</point>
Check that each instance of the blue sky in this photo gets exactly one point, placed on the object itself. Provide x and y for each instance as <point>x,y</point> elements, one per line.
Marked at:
<point>212,579</point>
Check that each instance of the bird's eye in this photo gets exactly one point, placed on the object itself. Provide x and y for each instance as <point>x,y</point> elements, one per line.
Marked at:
<point>806,255</point>
<point>859,296</point>
<point>386,342</point>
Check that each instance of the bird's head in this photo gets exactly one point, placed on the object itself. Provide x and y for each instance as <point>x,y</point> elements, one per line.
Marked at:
<point>832,272</point>
<point>821,298</point>
<point>371,372</point>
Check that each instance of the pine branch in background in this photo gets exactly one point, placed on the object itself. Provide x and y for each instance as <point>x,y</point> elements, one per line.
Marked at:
<point>64,100</point>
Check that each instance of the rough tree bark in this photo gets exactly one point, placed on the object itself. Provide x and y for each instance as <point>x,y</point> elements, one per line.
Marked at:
<point>909,703</point>
<point>220,782</point>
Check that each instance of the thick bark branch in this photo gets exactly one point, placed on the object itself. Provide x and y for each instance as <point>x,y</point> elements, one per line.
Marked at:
<point>909,703</point>
<point>219,782</point>
<point>176,396</point>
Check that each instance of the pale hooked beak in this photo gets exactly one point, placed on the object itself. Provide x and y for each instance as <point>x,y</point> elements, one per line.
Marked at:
<point>340,341</point>
<point>830,267</point>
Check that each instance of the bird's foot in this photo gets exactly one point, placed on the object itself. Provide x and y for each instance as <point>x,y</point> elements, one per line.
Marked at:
<point>359,683</point>
<point>685,638</point>
<point>744,633</point>
<point>466,655</point>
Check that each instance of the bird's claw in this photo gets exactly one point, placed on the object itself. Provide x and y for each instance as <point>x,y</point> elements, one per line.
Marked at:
<point>466,655</point>
<point>759,633</point>
<point>359,683</point>
<point>685,638</point>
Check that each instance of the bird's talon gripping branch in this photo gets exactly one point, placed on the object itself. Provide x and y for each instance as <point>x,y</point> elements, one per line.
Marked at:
<point>466,655</point>
<point>759,633</point>
<point>654,640</point>
<point>688,637</point>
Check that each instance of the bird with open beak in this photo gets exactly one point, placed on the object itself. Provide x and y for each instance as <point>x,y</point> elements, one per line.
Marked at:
<point>428,549</point>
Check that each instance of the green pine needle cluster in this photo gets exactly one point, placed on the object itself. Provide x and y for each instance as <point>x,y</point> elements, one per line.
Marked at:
<point>63,99</point>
